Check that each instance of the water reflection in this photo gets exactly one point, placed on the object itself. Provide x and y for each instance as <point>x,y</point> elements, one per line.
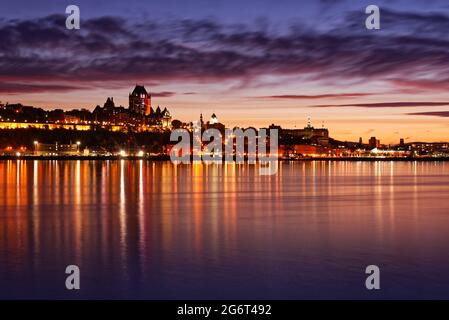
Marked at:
<point>143,229</point>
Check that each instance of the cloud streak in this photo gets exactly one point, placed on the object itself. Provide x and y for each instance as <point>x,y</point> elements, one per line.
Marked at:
<point>41,51</point>
<point>318,96</point>
<point>442,114</point>
<point>385,105</point>
<point>17,88</point>
<point>163,94</point>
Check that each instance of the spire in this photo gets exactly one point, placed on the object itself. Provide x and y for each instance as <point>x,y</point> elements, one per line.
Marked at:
<point>213,119</point>
<point>309,122</point>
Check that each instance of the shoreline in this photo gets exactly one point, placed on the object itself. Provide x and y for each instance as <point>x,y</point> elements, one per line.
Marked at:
<point>167,158</point>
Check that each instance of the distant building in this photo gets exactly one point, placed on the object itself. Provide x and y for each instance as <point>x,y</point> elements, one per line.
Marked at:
<point>213,119</point>
<point>71,118</point>
<point>374,143</point>
<point>140,101</point>
<point>213,123</point>
<point>56,149</point>
<point>318,136</point>
<point>166,118</point>
<point>110,113</point>
<point>138,117</point>
<point>401,142</point>
<point>299,151</point>
<point>161,118</point>
<point>109,104</point>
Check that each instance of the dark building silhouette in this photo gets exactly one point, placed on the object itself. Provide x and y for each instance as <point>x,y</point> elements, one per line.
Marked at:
<point>213,123</point>
<point>310,134</point>
<point>109,112</point>
<point>159,117</point>
<point>140,101</point>
<point>374,143</point>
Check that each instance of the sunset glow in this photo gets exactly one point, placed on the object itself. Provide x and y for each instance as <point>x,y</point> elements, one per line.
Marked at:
<point>270,63</point>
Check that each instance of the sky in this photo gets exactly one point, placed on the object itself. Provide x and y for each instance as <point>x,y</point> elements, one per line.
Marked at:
<point>252,62</point>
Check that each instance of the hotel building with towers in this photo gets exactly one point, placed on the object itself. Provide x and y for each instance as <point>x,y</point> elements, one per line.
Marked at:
<point>140,101</point>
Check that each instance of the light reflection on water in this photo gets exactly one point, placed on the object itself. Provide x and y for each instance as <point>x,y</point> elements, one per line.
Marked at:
<point>141,229</point>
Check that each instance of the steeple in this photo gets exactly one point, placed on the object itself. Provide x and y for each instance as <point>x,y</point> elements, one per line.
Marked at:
<point>309,122</point>
<point>213,119</point>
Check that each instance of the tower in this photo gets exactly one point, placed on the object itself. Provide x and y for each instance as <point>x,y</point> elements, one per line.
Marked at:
<point>213,119</point>
<point>166,118</point>
<point>374,142</point>
<point>309,123</point>
<point>140,101</point>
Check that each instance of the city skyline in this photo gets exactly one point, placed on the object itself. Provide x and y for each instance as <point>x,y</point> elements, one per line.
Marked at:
<point>307,59</point>
<point>217,158</point>
<point>149,109</point>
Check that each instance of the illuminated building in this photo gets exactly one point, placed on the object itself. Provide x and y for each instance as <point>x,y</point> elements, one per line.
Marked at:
<point>213,123</point>
<point>166,118</point>
<point>111,114</point>
<point>374,143</point>
<point>47,126</point>
<point>213,119</point>
<point>140,101</point>
<point>318,136</point>
<point>56,149</point>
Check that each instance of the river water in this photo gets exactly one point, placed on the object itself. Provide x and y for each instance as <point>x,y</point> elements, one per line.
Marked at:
<point>153,230</point>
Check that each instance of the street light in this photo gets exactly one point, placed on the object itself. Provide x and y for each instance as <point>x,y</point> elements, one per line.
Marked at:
<point>78,143</point>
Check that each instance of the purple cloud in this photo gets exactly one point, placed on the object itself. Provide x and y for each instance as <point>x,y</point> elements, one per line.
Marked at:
<point>16,88</point>
<point>386,105</point>
<point>443,114</point>
<point>318,96</point>
<point>163,94</point>
<point>41,51</point>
